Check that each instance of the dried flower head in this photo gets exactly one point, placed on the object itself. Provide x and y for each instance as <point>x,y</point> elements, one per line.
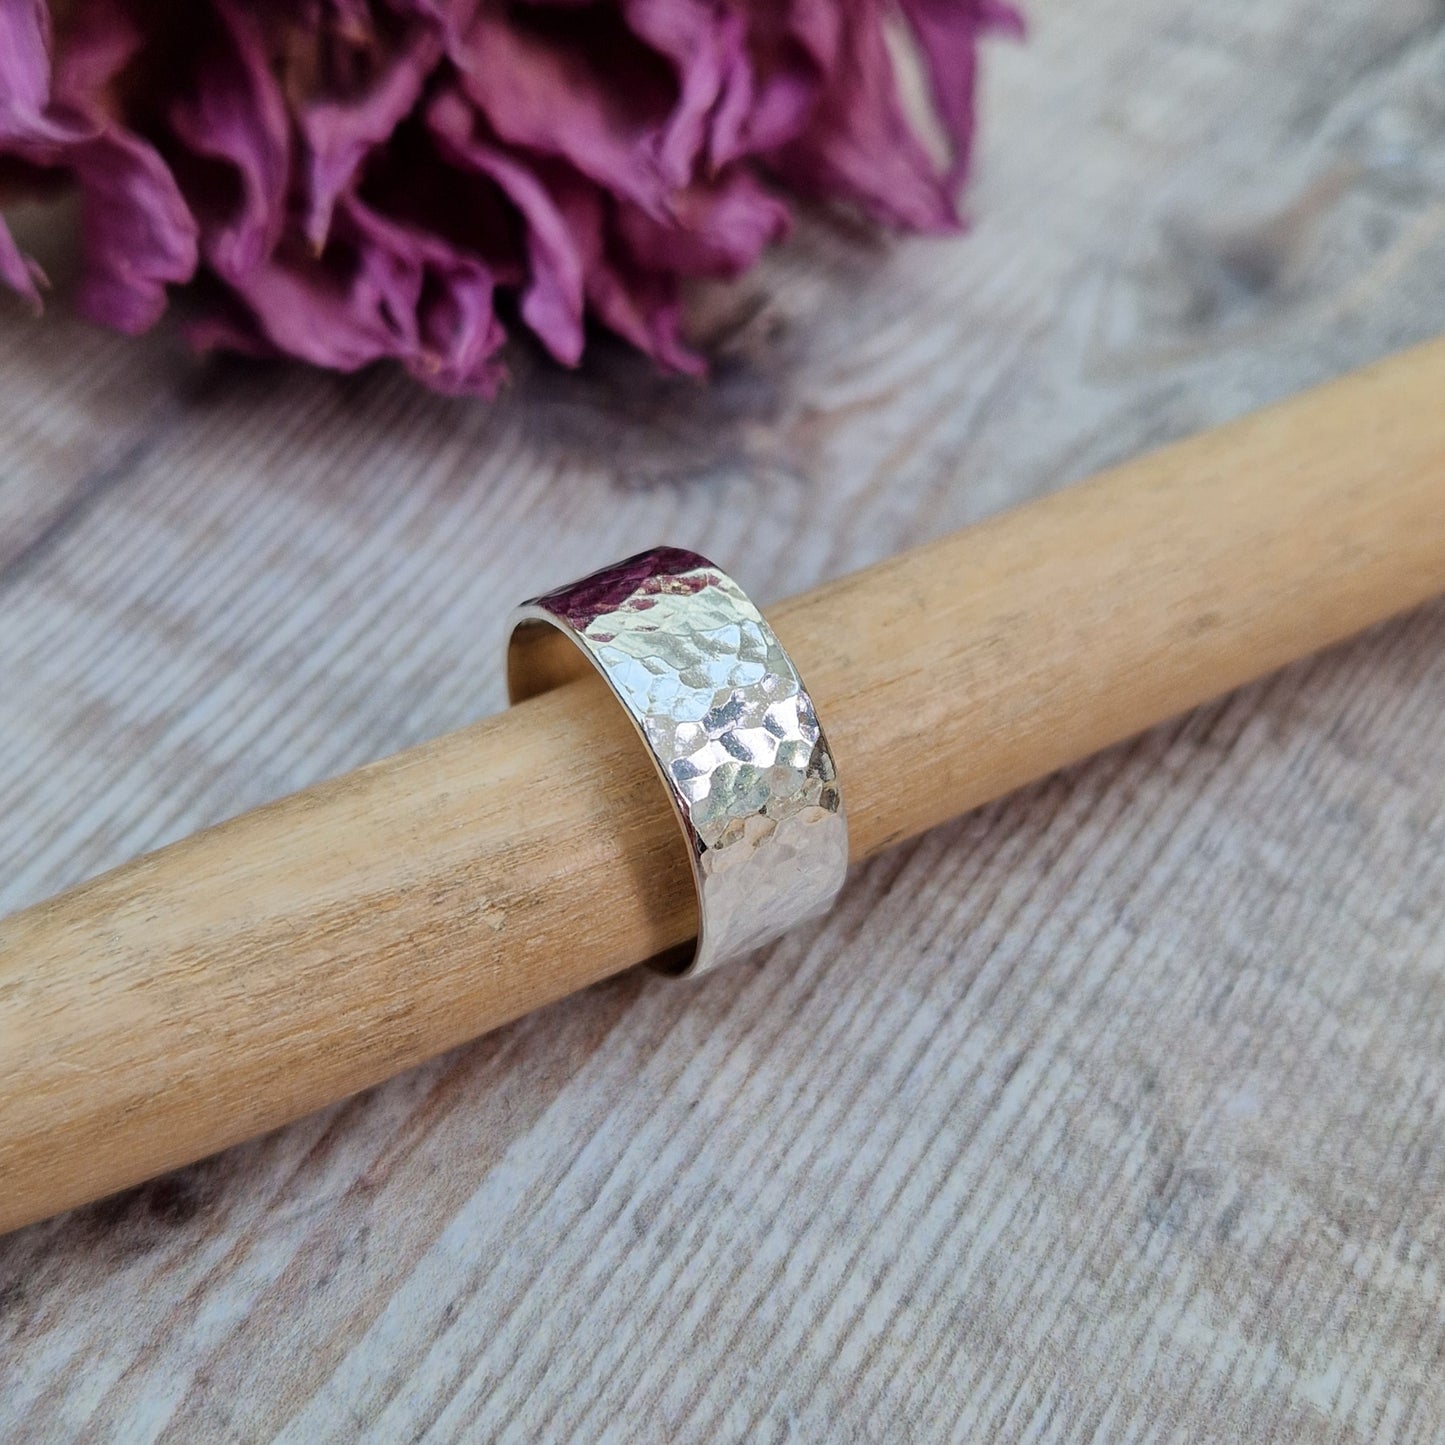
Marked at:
<point>350,180</point>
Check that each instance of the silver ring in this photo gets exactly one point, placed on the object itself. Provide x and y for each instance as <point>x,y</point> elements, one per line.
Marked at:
<point>730,727</point>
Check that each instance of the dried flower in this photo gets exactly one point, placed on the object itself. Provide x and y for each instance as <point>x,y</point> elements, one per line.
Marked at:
<point>350,180</point>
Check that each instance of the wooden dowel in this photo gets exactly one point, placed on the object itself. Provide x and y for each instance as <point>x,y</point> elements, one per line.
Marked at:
<point>285,959</point>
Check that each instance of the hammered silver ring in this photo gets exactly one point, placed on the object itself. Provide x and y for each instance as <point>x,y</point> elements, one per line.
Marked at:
<point>729,726</point>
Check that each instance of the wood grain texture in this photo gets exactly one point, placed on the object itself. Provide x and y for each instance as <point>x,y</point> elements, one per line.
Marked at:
<point>1111,1109</point>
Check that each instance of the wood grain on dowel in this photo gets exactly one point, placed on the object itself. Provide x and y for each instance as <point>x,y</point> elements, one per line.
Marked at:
<point>306,950</point>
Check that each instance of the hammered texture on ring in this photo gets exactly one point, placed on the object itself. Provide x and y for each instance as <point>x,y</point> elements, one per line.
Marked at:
<point>728,722</point>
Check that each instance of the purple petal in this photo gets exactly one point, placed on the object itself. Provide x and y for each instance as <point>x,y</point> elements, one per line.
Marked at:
<point>232,111</point>
<point>383,291</point>
<point>717,229</point>
<point>439,299</point>
<point>554,297</point>
<point>30,126</point>
<point>225,325</point>
<point>642,308</point>
<point>339,134</point>
<point>859,144</point>
<point>17,271</point>
<point>95,52</point>
<point>451,18</point>
<point>948,33</point>
<point>24,94</point>
<point>789,50</point>
<point>737,93</point>
<point>24,66</point>
<point>603,106</point>
<point>313,313</point>
<point>139,234</point>
<point>697,41</point>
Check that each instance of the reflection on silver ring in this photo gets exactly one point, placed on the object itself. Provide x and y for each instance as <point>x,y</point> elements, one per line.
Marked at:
<point>729,726</point>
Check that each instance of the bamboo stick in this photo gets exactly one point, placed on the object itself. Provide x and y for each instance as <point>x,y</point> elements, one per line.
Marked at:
<point>285,959</point>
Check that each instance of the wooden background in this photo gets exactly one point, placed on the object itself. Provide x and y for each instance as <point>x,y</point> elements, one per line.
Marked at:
<point>1113,1110</point>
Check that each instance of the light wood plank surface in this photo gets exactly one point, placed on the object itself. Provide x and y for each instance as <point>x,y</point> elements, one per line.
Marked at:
<point>1111,1110</point>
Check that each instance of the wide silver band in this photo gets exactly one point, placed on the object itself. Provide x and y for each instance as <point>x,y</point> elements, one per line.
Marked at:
<point>730,727</point>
